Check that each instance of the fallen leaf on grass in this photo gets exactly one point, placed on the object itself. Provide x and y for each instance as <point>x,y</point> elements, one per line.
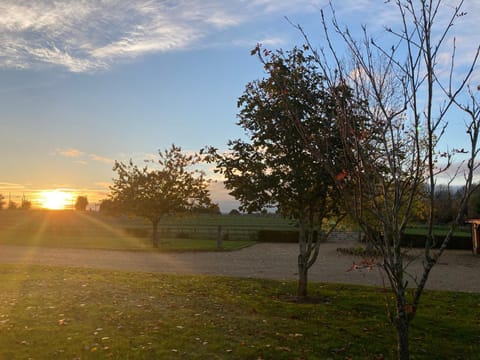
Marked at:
<point>295,335</point>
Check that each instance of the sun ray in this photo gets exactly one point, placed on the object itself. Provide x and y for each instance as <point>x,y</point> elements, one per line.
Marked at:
<point>121,235</point>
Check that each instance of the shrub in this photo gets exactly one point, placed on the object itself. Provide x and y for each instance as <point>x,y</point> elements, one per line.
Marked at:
<point>283,236</point>
<point>456,242</point>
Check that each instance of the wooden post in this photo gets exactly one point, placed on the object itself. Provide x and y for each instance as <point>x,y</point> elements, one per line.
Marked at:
<point>475,235</point>
<point>476,239</point>
<point>219,237</point>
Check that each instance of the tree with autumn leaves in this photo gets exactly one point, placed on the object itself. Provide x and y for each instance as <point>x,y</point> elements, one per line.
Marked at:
<point>273,168</point>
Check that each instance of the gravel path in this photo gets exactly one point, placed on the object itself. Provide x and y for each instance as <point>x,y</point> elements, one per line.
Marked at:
<point>457,270</point>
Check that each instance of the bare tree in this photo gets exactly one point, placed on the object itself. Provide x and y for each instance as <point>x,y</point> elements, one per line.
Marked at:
<point>392,111</point>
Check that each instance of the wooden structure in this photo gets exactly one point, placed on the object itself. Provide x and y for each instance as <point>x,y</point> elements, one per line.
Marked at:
<point>475,235</point>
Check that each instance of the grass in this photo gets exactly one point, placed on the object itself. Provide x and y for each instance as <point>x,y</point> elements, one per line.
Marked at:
<point>68,313</point>
<point>463,231</point>
<point>68,229</point>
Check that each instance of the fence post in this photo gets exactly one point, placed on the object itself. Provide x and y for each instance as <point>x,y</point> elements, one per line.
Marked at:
<point>219,237</point>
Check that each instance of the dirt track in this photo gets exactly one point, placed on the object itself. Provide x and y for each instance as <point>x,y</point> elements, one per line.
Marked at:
<point>457,270</point>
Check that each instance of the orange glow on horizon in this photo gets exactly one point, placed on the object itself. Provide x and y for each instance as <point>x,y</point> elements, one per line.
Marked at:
<point>56,199</point>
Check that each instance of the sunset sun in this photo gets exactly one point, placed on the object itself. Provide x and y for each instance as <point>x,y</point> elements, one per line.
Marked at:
<point>55,200</point>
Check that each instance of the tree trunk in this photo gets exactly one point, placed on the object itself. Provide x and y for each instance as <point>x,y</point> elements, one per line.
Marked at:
<point>404,311</point>
<point>302,264</point>
<point>402,338</point>
<point>302,292</point>
<point>155,234</point>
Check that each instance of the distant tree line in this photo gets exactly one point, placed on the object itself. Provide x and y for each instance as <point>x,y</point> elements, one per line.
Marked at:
<point>25,204</point>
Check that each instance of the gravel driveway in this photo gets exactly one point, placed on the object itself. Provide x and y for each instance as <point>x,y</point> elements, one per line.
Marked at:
<point>457,270</point>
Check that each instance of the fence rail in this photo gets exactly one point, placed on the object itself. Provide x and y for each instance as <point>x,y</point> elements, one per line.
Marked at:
<point>225,232</point>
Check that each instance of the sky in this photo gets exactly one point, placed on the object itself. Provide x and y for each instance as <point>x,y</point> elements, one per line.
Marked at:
<point>84,83</point>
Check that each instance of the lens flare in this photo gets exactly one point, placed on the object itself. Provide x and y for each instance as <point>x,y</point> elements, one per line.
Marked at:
<point>55,199</point>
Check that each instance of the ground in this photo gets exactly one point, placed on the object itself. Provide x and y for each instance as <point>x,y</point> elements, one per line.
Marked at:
<point>456,271</point>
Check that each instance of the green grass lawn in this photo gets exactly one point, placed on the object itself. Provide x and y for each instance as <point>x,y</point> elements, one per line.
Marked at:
<point>68,313</point>
<point>463,231</point>
<point>71,229</point>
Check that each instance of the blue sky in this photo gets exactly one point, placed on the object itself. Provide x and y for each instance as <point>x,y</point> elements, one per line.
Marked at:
<point>84,83</point>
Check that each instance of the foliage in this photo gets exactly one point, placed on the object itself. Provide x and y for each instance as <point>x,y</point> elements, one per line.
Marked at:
<point>172,188</point>
<point>108,207</point>
<point>93,314</point>
<point>395,157</point>
<point>12,205</point>
<point>81,203</point>
<point>272,168</point>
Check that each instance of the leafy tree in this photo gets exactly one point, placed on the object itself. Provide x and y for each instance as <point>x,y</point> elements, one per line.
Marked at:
<point>473,210</point>
<point>12,205</point>
<point>81,203</point>
<point>213,209</point>
<point>171,188</point>
<point>408,97</point>
<point>107,206</point>
<point>272,168</point>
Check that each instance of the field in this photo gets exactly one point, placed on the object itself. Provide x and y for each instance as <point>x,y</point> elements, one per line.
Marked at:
<point>89,230</point>
<point>92,230</point>
<point>71,313</point>
<point>53,312</point>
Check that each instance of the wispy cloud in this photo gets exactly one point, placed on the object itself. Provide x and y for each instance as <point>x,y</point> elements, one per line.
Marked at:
<point>10,186</point>
<point>80,157</point>
<point>82,35</point>
<point>73,153</point>
<point>101,159</point>
<point>85,36</point>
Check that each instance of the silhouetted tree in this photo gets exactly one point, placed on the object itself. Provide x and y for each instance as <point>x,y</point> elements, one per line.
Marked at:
<point>2,201</point>
<point>171,188</point>
<point>213,209</point>
<point>272,168</point>
<point>12,205</point>
<point>108,207</point>
<point>473,211</point>
<point>81,203</point>
<point>25,204</point>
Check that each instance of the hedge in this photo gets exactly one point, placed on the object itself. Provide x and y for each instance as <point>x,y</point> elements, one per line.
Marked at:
<point>456,242</point>
<point>283,236</point>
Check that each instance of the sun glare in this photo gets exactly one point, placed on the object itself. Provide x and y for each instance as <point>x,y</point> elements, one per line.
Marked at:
<point>55,200</point>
